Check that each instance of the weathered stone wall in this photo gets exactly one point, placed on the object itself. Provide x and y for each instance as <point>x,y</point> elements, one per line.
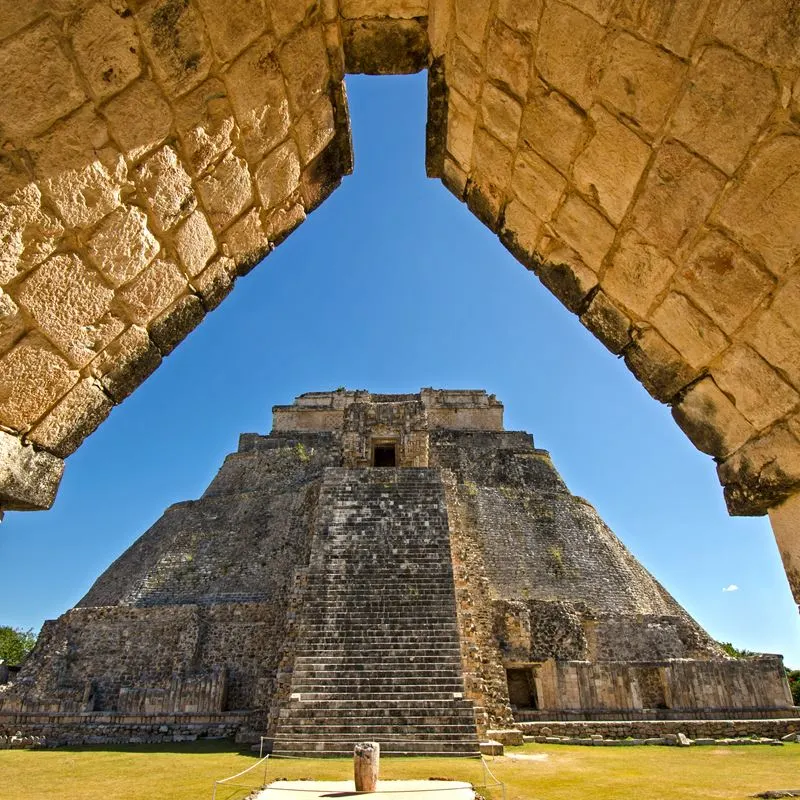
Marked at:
<point>98,728</point>
<point>679,685</point>
<point>645,729</point>
<point>641,157</point>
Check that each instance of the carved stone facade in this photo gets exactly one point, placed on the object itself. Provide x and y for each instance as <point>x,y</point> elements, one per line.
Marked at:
<point>377,550</point>
<point>640,157</point>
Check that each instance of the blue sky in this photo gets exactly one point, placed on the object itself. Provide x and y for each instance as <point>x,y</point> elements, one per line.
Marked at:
<point>393,285</point>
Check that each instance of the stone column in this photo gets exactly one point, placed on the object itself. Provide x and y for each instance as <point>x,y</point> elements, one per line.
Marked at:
<point>366,763</point>
<point>785,520</point>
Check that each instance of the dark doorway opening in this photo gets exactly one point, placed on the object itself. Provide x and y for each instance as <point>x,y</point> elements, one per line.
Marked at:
<point>521,688</point>
<point>384,455</point>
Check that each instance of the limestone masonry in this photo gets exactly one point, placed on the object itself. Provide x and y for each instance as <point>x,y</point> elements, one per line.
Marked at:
<point>396,568</point>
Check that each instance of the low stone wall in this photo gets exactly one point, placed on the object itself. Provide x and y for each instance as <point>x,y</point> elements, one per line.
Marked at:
<point>646,729</point>
<point>101,728</point>
<point>546,716</point>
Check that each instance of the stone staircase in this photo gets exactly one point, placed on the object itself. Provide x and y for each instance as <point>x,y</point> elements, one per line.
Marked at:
<point>378,654</point>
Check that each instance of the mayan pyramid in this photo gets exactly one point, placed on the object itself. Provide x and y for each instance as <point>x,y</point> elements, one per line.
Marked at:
<point>391,567</point>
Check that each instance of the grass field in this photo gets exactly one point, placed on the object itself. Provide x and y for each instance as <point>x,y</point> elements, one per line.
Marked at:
<point>549,772</point>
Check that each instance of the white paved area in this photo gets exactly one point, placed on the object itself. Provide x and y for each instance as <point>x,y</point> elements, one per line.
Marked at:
<point>387,790</point>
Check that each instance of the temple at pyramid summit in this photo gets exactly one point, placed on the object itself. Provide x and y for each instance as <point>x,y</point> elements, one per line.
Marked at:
<point>395,568</point>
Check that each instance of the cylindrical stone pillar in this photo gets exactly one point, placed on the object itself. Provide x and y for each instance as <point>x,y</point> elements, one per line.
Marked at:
<point>366,763</point>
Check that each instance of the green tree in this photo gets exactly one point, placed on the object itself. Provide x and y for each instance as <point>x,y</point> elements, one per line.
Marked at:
<point>15,644</point>
<point>793,676</point>
<point>735,651</point>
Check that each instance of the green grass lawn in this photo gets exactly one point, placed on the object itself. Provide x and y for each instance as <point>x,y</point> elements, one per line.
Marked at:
<point>549,772</point>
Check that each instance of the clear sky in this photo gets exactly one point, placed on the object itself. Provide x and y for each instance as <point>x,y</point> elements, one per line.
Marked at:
<point>390,286</point>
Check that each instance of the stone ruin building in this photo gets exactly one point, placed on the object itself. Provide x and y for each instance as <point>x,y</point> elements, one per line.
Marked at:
<point>391,567</point>
<point>640,157</point>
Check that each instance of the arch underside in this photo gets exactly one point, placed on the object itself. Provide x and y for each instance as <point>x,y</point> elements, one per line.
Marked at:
<point>642,158</point>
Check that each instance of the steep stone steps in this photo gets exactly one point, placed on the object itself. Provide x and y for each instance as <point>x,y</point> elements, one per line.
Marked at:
<point>378,654</point>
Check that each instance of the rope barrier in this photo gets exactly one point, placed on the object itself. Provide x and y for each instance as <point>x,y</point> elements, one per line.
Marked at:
<point>226,782</point>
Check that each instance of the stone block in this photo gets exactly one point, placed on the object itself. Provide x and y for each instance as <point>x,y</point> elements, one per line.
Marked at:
<point>641,81</point>
<point>77,170</point>
<point>77,415</point>
<point>471,19</point>
<point>39,83</point>
<point>246,241</point>
<point>688,330</point>
<point>106,48</point>
<point>567,50</point>
<point>169,329</point>
<point>289,14</point>
<point>710,420</point>
<point>174,37</point>
<point>71,305</point>
<point>563,272</point>
<point>166,188</point>
<point>657,365</point>
<point>226,191</point>
<point>511,737</point>
<point>384,46</point>
<point>28,232</point>
<point>637,274</point>
<point>765,32</point>
<point>14,16</point>
<point>585,229</point>
<point>315,130</point>
<point>304,63</point>
<point>599,10</point>
<point>522,15</point>
<point>278,175</point>
<point>553,127</point>
<point>12,322</point>
<point>508,59</point>
<point>194,241</point>
<point>723,281</point>
<point>674,24</point>
<point>122,245</point>
<point>282,221</point>
<point>762,473</point>
<point>678,193</point>
<point>537,184</point>
<point>29,478</point>
<point>491,174</point>
<point>257,93</point>
<point>215,282</point>
<point>491,748</point>
<point>155,288</point>
<point>761,209</point>
<point>454,178</point>
<point>461,117</point>
<point>610,166</point>
<point>232,25</point>
<point>205,123</point>
<point>755,388</point>
<point>139,119</point>
<point>785,521</point>
<point>610,325</point>
<point>501,115</point>
<point>520,233</point>
<point>464,71</point>
<point>126,362</point>
<point>33,377</point>
<point>727,100</point>
<point>777,343</point>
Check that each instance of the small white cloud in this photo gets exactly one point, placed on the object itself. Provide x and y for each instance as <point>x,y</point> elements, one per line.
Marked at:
<point>731,587</point>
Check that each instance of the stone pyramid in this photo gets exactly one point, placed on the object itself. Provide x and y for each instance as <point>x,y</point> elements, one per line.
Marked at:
<point>389,567</point>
